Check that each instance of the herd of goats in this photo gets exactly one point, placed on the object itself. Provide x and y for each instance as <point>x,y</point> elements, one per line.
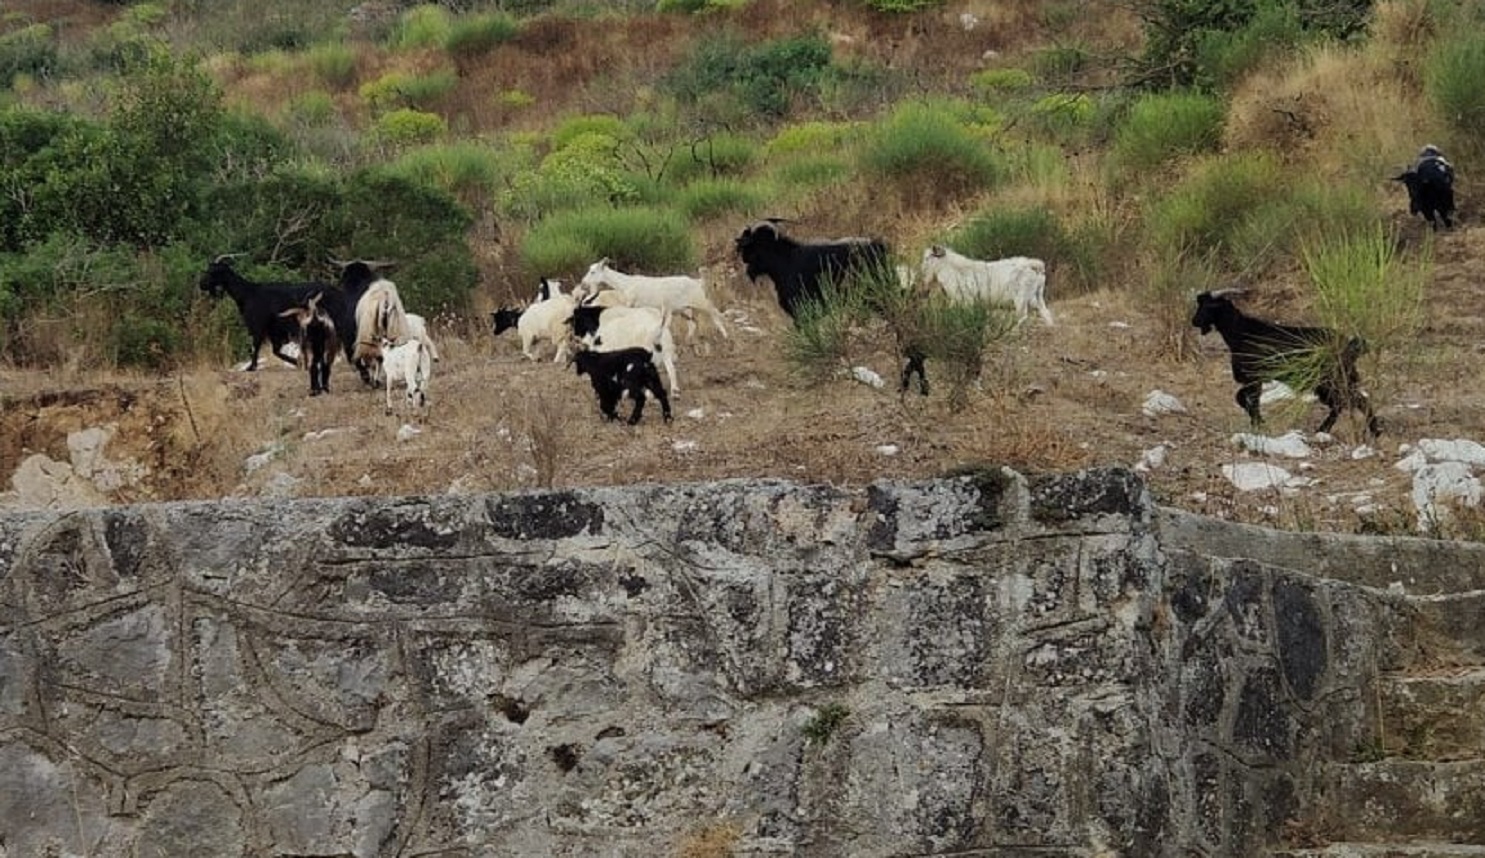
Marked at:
<point>614,327</point>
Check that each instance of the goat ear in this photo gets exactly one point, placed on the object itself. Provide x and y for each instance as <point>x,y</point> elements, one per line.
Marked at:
<point>937,250</point>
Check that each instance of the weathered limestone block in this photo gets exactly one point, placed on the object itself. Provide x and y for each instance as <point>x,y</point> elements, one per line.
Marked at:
<point>989,664</point>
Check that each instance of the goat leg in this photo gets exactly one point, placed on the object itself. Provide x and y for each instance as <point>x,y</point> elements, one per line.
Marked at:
<point>1247,397</point>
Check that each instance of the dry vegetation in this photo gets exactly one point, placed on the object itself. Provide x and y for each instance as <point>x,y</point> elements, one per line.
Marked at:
<point>1052,398</point>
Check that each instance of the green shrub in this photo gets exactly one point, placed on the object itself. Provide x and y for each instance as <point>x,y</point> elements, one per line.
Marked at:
<point>401,89</point>
<point>515,99</point>
<point>715,155</point>
<point>900,6</point>
<point>1452,73</point>
<point>761,79</point>
<point>583,172</point>
<point>585,126</point>
<point>634,239</point>
<point>30,51</point>
<point>1062,115</point>
<point>929,154</point>
<point>424,26</point>
<point>315,107</point>
<point>1162,125</point>
<point>998,232</point>
<point>1224,57</point>
<point>813,137</point>
<point>709,198</point>
<point>812,172</point>
<point>992,81</point>
<point>405,127</point>
<point>334,63</point>
<point>467,169</point>
<point>477,35</point>
<point>1206,212</point>
<point>1062,62</point>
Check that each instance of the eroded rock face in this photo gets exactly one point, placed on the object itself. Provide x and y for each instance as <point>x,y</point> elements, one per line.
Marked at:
<point>981,662</point>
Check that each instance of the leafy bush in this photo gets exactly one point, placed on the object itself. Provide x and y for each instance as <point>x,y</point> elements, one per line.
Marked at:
<point>634,239</point>
<point>28,51</point>
<point>1163,125</point>
<point>1452,73</point>
<point>1202,43</point>
<point>405,127</point>
<point>585,171</point>
<point>930,154</point>
<point>477,35</point>
<point>761,78</point>
<point>1062,115</point>
<point>315,107</point>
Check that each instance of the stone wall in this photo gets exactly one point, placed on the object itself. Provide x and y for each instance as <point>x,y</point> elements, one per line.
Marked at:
<point>988,665</point>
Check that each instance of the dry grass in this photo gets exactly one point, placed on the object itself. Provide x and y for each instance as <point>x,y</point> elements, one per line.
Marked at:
<point>715,840</point>
<point>1339,111</point>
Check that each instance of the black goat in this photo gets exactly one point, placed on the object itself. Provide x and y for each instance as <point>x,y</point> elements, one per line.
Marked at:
<point>261,306</point>
<point>623,371</point>
<point>1430,185</point>
<point>800,270</point>
<point>1303,356</point>
<point>317,342</point>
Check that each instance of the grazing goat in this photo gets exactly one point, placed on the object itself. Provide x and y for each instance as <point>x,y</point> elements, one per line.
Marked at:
<point>317,341</point>
<point>1019,281</point>
<point>262,306</point>
<point>800,269</point>
<point>1430,184</point>
<point>615,373</point>
<point>680,294</point>
<point>609,329</point>
<point>379,316</point>
<point>411,363</point>
<point>544,320</point>
<point>1265,351</point>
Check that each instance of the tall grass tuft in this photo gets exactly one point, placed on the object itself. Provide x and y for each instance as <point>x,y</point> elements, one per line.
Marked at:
<point>334,63</point>
<point>1163,125</point>
<point>1364,289</point>
<point>476,35</point>
<point>931,155</point>
<point>1205,213</point>
<point>424,26</point>
<point>633,238</point>
<point>709,198</point>
<point>1452,73</point>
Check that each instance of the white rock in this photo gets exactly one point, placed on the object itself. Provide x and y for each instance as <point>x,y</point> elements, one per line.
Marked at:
<point>888,449</point>
<point>1252,476</point>
<point>1159,402</point>
<point>1363,452</point>
<point>696,414</point>
<point>259,459</point>
<point>683,446</point>
<point>1275,391</point>
<point>1458,450</point>
<point>1439,486</point>
<point>85,448</point>
<point>408,432</point>
<point>866,376</point>
<point>1119,326</point>
<point>1291,444</point>
<point>1151,459</point>
<point>1412,461</point>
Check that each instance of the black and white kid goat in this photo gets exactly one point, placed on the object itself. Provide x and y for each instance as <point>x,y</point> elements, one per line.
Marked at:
<point>629,370</point>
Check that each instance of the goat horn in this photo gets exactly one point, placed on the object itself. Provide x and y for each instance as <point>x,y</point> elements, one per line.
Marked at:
<point>226,256</point>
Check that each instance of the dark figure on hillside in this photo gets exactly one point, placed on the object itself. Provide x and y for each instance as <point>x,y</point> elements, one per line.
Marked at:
<point>1430,184</point>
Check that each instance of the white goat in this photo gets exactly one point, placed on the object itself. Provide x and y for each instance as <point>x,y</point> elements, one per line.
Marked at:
<point>544,320</point>
<point>678,293</point>
<point>411,363</point>
<point>608,329</point>
<point>1017,280</point>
